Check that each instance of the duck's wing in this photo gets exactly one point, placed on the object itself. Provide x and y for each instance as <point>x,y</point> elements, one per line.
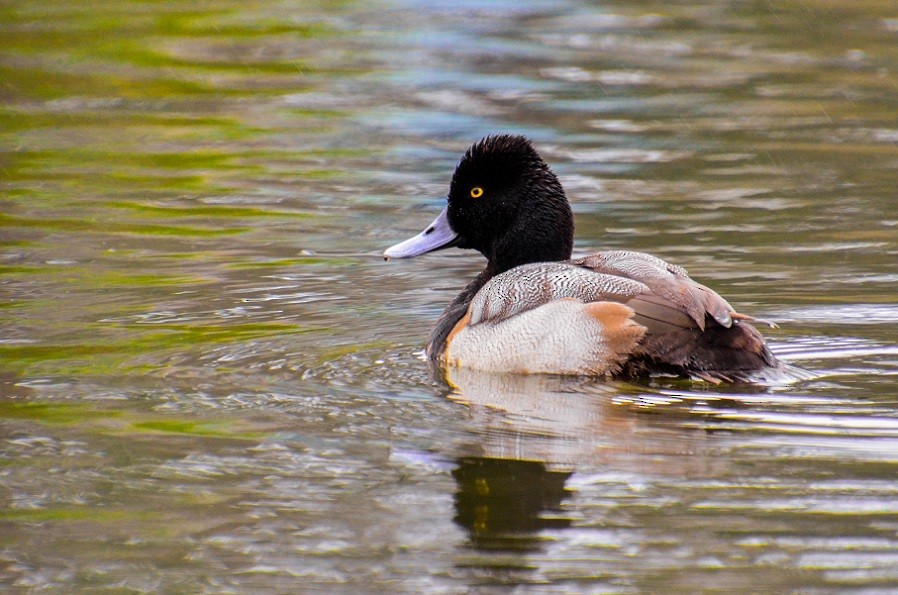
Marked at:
<point>656,290</point>
<point>671,292</point>
<point>689,327</point>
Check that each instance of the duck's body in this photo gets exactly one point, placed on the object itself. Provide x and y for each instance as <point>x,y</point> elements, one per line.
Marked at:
<point>611,313</point>
<point>533,310</point>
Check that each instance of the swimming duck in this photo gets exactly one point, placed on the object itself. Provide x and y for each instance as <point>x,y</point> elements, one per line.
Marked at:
<point>534,310</point>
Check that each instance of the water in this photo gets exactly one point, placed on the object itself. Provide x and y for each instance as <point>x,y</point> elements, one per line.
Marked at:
<point>211,382</point>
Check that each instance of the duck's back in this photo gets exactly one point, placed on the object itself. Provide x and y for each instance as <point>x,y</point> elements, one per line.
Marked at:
<point>620,313</point>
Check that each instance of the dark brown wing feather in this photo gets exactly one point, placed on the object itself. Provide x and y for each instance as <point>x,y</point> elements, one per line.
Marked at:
<point>690,328</point>
<point>674,344</point>
<point>658,315</point>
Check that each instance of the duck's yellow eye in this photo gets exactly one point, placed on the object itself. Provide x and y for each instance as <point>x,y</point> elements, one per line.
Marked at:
<point>476,192</point>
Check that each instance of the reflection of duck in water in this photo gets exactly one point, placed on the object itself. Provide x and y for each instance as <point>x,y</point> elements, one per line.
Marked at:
<point>570,422</point>
<point>503,503</point>
<point>534,432</point>
<point>533,310</point>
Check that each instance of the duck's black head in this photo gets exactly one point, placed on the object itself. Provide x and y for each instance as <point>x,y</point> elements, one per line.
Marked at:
<point>504,202</point>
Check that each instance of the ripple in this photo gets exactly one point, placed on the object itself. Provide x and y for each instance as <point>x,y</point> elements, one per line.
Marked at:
<point>372,370</point>
<point>619,155</point>
<point>820,424</point>
<point>841,314</point>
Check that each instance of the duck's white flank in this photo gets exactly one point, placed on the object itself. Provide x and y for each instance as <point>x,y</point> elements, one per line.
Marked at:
<point>565,336</point>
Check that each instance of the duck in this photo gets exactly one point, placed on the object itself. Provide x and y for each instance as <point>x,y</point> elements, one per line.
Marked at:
<point>536,310</point>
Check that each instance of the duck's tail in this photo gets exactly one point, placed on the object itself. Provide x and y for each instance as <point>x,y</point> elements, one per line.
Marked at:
<point>715,354</point>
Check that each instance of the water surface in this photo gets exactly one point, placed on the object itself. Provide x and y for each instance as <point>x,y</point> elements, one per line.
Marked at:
<point>211,382</point>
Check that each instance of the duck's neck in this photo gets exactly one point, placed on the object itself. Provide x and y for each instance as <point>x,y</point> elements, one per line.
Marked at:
<point>517,248</point>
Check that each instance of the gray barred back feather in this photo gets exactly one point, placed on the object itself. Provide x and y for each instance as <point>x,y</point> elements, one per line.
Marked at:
<point>667,281</point>
<point>532,285</point>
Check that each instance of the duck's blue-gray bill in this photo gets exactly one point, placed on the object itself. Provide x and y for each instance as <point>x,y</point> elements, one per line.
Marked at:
<point>437,235</point>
